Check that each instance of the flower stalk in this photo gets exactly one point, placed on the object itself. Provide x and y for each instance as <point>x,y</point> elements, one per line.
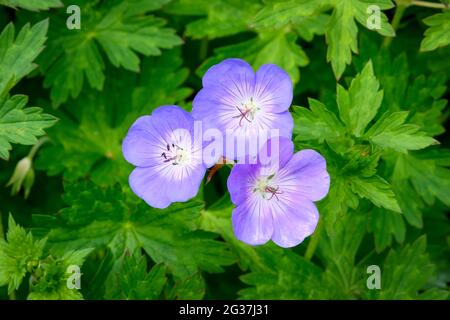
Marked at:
<point>400,9</point>
<point>312,245</point>
<point>23,175</point>
<point>427,4</point>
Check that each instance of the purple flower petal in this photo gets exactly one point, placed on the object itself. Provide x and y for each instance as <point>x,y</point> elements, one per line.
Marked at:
<point>147,137</point>
<point>283,122</point>
<point>146,184</point>
<point>137,146</point>
<point>241,182</point>
<point>235,75</point>
<point>273,88</point>
<point>252,222</point>
<point>310,168</point>
<point>275,154</point>
<point>170,118</point>
<point>160,186</point>
<point>213,101</point>
<point>294,219</point>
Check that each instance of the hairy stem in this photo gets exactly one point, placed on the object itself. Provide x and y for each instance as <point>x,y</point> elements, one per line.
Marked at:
<point>399,10</point>
<point>314,241</point>
<point>427,4</point>
<point>36,147</point>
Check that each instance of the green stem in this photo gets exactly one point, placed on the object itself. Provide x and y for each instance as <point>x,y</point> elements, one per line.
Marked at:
<point>36,147</point>
<point>2,232</point>
<point>427,4</point>
<point>203,50</point>
<point>314,241</point>
<point>399,10</point>
<point>12,295</point>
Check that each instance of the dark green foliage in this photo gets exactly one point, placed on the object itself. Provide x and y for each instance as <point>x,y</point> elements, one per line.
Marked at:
<point>372,102</point>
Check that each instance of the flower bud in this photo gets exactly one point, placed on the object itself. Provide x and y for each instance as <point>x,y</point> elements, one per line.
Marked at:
<point>23,176</point>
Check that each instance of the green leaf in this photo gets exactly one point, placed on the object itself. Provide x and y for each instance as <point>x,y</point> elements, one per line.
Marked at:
<point>377,190</point>
<point>33,5</point>
<point>338,249</point>
<point>413,111</point>
<point>51,277</point>
<point>390,131</point>
<point>18,53</point>
<point>345,239</point>
<point>427,107</point>
<point>217,218</point>
<point>160,83</point>
<point>19,124</point>
<point>18,254</point>
<point>316,123</point>
<point>411,208</point>
<point>309,26</point>
<point>135,282</point>
<point>359,105</point>
<point>429,175</point>
<point>275,42</point>
<point>281,13</point>
<point>421,95</point>
<point>192,287</point>
<point>290,277</point>
<point>342,30</point>
<point>424,174</point>
<point>406,271</point>
<point>341,38</point>
<point>224,18</point>
<point>385,225</point>
<point>122,30</point>
<point>98,155</point>
<point>279,48</point>
<point>98,217</point>
<point>438,33</point>
<point>188,7</point>
<point>339,201</point>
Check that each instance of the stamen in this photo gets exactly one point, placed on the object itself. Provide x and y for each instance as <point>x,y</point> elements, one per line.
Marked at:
<point>274,191</point>
<point>173,154</point>
<point>178,147</point>
<point>243,115</point>
<point>246,111</point>
<point>171,159</point>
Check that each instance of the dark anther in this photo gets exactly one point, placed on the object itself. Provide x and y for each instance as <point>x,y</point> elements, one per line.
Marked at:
<point>170,159</point>
<point>177,146</point>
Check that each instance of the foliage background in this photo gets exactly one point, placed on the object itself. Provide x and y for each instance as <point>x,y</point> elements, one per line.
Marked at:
<point>374,105</point>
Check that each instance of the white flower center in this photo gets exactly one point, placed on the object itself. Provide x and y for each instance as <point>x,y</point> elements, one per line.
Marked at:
<point>176,155</point>
<point>247,111</point>
<point>266,188</point>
